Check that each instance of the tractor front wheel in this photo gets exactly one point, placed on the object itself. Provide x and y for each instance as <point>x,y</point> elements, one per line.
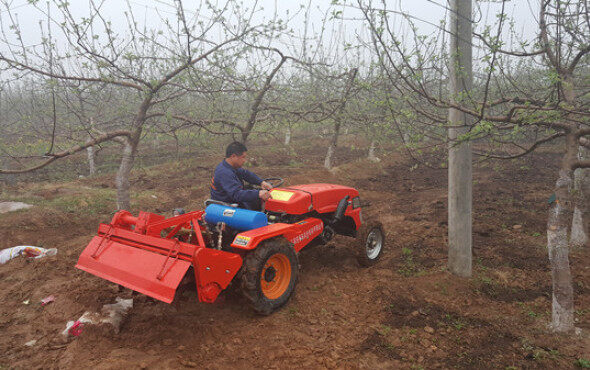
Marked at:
<point>370,242</point>
<point>270,274</point>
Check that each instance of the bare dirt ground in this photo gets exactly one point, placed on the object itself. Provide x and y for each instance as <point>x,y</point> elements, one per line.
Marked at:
<point>405,312</point>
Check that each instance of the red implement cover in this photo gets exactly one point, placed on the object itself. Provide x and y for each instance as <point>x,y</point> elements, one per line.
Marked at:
<point>152,274</point>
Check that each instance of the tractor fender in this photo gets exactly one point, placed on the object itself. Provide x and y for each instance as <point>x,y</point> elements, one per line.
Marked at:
<point>299,234</point>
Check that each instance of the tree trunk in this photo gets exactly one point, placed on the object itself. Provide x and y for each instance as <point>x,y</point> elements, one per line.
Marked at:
<point>156,142</point>
<point>122,179</point>
<point>579,233</point>
<point>338,118</point>
<point>91,157</point>
<point>328,160</point>
<point>406,138</point>
<point>371,155</point>
<point>91,165</point>
<point>562,308</point>
<point>460,166</point>
<point>8,178</point>
<point>288,136</point>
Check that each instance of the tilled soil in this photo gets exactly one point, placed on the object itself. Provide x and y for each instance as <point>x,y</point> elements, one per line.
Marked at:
<point>405,312</point>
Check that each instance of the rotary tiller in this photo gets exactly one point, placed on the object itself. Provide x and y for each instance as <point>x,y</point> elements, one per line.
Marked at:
<point>151,254</point>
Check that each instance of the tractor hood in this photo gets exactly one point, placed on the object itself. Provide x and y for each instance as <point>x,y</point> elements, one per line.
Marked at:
<point>301,199</point>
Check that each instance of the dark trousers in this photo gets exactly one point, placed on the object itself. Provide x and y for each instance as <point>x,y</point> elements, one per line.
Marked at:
<point>255,205</point>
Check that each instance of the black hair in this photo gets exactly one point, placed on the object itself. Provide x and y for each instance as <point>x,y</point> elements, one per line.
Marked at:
<point>236,148</point>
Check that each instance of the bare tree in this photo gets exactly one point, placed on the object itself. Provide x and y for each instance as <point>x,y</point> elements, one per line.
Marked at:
<point>506,107</point>
<point>338,117</point>
<point>146,63</point>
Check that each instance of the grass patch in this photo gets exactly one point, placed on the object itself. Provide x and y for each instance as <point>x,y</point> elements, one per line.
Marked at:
<point>409,267</point>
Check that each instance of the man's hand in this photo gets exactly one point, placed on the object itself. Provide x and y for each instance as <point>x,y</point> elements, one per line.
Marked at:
<point>265,185</point>
<point>264,194</point>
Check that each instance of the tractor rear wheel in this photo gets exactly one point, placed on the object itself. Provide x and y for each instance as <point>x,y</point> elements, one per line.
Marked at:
<point>370,243</point>
<point>270,274</point>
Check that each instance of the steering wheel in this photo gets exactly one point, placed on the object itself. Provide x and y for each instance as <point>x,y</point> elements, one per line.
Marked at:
<point>274,181</point>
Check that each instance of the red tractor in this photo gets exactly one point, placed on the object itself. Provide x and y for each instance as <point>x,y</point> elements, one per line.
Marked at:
<point>152,254</point>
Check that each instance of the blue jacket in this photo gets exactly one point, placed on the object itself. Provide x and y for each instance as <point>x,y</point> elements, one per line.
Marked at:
<point>227,184</point>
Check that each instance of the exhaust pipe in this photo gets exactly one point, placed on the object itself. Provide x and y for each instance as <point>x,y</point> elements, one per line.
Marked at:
<point>342,205</point>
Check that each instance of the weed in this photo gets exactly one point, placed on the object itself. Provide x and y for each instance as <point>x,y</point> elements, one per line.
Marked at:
<point>486,280</point>
<point>384,330</point>
<point>409,267</point>
<point>413,331</point>
<point>538,355</point>
<point>536,233</point>
<point>526,346</point>
<point>388,346</point>
<point>454,322</point>
<point>529,310</point>
<point>583,363</point>
<point>442,287</point>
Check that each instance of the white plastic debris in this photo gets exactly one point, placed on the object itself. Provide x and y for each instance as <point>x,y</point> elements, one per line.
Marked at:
<point>31,343</point>
<point>112,314</point>
<point>25,250</point>
<point>13,206</point>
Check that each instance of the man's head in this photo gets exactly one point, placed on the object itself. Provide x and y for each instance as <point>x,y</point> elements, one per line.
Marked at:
<point>235,154</point>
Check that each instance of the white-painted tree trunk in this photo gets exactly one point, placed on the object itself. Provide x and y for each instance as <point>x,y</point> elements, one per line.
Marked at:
<point>371,155</point>
<point>122,179</point>
<point>91,157</point>
<point>156,142</point>
<point>288,136</point>
<point>406,137</point>
<point>328,160</point>
<point>581,215</point>
<point>460,166</point>
<point>562,309</point>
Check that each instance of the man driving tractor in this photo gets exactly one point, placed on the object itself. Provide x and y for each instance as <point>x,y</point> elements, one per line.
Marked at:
<point>227,184</point>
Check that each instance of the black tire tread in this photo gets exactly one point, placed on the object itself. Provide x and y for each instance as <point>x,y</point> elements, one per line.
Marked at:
<point>252,268</point>
<point>361,239</point>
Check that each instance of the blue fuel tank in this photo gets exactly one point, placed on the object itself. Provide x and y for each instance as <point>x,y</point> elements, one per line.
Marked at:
<point>236,218</point>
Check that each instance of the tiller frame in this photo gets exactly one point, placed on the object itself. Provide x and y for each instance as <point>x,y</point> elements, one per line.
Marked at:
<point>118,254</point>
